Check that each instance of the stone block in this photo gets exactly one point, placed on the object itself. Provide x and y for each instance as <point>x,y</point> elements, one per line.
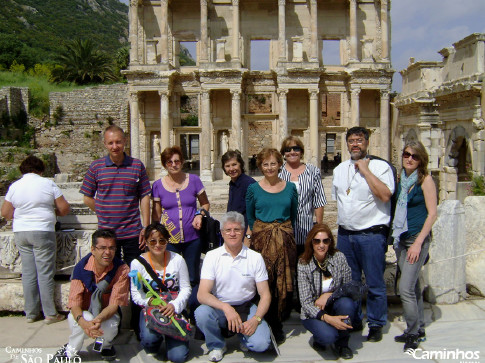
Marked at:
<point>475,242</point>
<point>445,272</point>
<point>62,178</point>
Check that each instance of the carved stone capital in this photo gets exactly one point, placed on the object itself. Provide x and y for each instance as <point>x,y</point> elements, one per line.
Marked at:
<point>384,94</point>
<point>313,94</point>
<point>282,2</point>
<point>355,92</point>
<point>136,3</point>
<point>479,124</point>
<point>163,93</point>
<point>235,2</point>
<point>282,92</point>
<point>205,94</point>
<point>203,2</point>
<point>134,96</point>
<point>236,94</point>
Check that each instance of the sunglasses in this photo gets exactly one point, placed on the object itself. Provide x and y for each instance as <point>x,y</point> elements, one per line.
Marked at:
<point>294,148</point>
<point>173,162</point>
<point>317,241</point>
<point>154,242</point>
<point>407,155</point>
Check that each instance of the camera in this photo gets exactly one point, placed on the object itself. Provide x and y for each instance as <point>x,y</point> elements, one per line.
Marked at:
<point>98,344</point>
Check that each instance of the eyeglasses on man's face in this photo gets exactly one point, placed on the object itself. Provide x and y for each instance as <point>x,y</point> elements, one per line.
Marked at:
<point>104,248</point>
<point>232,230</point>
<point>358,141</point>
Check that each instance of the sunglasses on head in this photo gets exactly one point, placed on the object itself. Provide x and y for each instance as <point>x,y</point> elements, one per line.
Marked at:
<point>407,155</point>
<point>294,148</point>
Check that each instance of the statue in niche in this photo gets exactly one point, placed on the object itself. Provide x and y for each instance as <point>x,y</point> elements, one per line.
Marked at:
<point>224,143</point>
<point>156,146</point>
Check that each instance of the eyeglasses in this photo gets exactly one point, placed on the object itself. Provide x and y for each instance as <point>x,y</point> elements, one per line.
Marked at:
<point>154,242</point>
<point>173,162</point>
<point>355,141</point>
<point>317,241</point>
<point>407,155</point>
<point>104,248</point>
<point>232,230</point>
<point>270,165</point>
<point>294,148</point>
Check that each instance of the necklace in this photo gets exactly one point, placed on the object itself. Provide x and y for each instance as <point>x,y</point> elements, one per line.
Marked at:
<point>348,177</point>
<point>176,185</point>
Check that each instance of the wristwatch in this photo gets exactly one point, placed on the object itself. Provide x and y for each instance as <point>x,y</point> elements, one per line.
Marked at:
<point>78,317</point>
<point>258,319</point>
<point>248,236</point>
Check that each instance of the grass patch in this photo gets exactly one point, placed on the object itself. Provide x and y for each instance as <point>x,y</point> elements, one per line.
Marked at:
<point>40,87</point>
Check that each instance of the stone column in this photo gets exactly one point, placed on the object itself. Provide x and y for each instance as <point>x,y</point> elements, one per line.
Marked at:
<point>236,120</point>
<point>164,120</point>
<point>134,31</point>
<point>384,30</point>
<point>164,31</point>
<point>235,30</point>
<point>314,31</point>
<point>203,31</point>
<point>134,125</point>
<point>314,135</point>
<point>283,119</point>
<point>205,138</point>
<point>282,29</point>
<point>384,125</point>
<point>353,30</point>
<point>354,107</point>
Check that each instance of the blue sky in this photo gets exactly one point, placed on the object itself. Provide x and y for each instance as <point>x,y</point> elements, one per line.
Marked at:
<point>420,28</point>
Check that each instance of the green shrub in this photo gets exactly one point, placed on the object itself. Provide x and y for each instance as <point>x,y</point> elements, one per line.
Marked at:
<point>58,114</point>
<point>478,184</point>
<point>13,174</point>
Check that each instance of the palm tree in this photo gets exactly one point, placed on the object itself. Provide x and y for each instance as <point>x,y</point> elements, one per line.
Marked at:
<point>80,62</point>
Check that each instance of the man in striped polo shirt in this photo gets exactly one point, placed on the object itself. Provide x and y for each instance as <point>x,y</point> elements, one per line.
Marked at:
<point>116,187</point>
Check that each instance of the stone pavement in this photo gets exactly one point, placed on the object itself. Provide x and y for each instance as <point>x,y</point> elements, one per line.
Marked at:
<point>451,329</point>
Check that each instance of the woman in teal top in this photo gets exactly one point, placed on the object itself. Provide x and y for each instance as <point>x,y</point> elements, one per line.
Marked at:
<point>271,207</point>
<point>415,214</point>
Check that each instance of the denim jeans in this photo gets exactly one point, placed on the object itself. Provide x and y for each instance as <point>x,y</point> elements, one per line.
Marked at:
<point>177,350</point>
<point>367,252</point>
<point>211,321</point>
<point>326,334</point>
<point>409,287</point>
<point>38,254</point>
<point>190,251</point>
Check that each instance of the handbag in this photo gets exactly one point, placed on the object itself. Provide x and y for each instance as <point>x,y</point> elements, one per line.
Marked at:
<point>158,322</point>
<point>210,233</point>
<point>353,289</point>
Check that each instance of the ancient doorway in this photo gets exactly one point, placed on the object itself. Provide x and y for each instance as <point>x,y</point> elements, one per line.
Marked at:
<point>458,153</point>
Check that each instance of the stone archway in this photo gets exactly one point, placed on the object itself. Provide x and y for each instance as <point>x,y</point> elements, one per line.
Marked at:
<point>458,152</point>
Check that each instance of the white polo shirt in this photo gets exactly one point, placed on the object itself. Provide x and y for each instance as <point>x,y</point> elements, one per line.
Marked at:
<point>33,199</point>
<point>234,278</point>
<point>360,209</point>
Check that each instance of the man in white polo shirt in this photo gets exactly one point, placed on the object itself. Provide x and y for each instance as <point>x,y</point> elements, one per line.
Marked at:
<point>231,276</point>
<point>363,188</point>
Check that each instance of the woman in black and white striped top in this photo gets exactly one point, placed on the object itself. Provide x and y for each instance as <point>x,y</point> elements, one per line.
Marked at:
<point>308,181</point>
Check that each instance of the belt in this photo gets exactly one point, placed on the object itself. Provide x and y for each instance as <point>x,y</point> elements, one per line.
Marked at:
<point>374,229</point>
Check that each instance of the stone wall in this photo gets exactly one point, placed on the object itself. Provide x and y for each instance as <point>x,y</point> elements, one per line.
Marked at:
<point>475,243</point>
<point>77,121</point>
<point>13,100</point>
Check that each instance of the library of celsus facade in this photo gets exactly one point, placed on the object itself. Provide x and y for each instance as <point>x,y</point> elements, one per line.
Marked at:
<point>222,102</point>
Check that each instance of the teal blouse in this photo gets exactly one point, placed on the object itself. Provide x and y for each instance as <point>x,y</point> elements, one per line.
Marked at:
<point>417,212</point>
<point>270,207</point>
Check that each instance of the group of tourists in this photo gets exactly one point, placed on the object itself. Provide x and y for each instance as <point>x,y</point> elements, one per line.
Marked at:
<point>277,254</point>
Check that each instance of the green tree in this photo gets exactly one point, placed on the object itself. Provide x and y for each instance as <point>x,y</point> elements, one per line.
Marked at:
<point>82,63</point>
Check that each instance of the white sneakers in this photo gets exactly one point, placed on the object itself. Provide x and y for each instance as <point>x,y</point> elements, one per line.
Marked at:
<point>215,355</point>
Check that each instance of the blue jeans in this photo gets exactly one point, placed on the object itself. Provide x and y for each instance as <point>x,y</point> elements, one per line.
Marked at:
<point>326,334</point>
<point>367,252</point>
<point>38,254</point>
<point>177,350</point>
<point>409,287</point>
<point>190,251</point>
<point>211,321</point>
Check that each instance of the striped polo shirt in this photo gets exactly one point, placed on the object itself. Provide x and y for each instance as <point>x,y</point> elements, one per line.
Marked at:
<point>118,190</point>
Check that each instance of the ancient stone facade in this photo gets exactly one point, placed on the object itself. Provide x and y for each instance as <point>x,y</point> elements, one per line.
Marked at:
<point>297,84</point>
<point>77,121</point>
<point>14,100</point>
<point>442,105</point>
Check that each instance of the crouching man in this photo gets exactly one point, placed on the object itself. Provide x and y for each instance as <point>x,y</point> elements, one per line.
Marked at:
<point>231,275</point>
<point>99,284</point>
